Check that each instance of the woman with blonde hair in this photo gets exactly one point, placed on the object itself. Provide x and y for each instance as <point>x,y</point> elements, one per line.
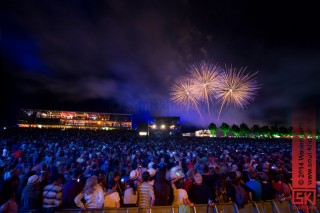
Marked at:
<point>92,193</point>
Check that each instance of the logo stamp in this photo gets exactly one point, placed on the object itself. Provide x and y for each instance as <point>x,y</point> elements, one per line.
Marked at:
<point>304,159</point>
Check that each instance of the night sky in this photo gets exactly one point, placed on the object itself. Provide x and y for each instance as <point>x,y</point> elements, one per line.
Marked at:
<point>123,56</point>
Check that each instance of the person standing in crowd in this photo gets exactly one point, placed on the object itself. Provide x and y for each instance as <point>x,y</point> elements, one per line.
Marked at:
<point>146,196</point>
<point>10,206</point>
<point>87,145</point>
<point>9,186</point>
<point>208,179</point>
<point>161,188</point>
<point>189,179</point>
<point>130,197</point>
<point>112,198</point>
<point>71,189</point>
<point>92,193</point>
<point>52,194</point>
<point>102,179</point>
<point>199,193</point>
<point>254,185</point>
<point>180,195</point>
<point>236,189</point>
<point>31,198</point>
<point>120,186</point>
<point>282,190</point>
<point>268,191</point>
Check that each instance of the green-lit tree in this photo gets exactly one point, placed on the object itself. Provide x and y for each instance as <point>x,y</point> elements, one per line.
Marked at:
<point>283,131</point>
<point>213,128</point>
<point>235,129</point>
<point>244,130</point>
<point>274,131</point>
<point>224,128</point>
<point>265,131</point>
<point>290,131</point>
<point>255,130</point>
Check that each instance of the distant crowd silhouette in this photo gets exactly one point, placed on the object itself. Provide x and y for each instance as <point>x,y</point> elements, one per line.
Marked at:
<point>49,169</point>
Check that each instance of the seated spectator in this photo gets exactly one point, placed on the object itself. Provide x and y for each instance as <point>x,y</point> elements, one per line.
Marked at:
<point>92,194</point>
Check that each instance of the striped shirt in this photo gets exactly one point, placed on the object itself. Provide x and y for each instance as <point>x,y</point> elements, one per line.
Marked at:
<point>145,194</point>
<point>52,196</point>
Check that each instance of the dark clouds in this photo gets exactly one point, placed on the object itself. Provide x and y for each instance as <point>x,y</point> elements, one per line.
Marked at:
<point>123,56</point>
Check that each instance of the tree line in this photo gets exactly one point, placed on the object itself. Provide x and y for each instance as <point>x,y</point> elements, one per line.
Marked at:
<point>243,130</point>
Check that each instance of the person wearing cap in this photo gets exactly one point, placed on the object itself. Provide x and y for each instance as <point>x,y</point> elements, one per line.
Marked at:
<point>199,193</point>
<point>152,173</point>
<point>31,198</point>
<point>134,175</point>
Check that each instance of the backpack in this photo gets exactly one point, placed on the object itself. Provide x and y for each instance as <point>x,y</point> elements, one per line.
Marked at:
<point>241,195</point>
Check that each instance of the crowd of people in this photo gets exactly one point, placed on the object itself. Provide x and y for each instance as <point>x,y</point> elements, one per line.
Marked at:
<point>49,169</point>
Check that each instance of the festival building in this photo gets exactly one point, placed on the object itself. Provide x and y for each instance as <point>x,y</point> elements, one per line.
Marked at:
<point>73,119</point>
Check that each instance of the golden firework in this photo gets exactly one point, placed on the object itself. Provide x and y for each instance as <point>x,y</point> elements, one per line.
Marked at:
<point>235,88</point>
<point>183,93</point>
<point>205,78</point>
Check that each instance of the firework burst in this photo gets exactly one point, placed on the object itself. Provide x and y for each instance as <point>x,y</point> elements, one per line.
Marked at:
<point>183,93</point>
<point>235,88</point>
<point>205,78</point>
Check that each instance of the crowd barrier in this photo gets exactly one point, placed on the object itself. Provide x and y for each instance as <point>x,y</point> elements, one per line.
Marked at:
<point>272,206</point>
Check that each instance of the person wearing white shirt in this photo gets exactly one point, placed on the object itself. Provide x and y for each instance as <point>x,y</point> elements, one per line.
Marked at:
<point>92,193</point>
<point>112,198</point>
